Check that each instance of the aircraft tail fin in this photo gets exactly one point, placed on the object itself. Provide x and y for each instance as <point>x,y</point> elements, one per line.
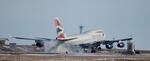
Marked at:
<point>60,31</point>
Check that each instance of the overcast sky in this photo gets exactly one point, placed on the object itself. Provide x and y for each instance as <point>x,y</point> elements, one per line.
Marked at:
<point>35,18</point>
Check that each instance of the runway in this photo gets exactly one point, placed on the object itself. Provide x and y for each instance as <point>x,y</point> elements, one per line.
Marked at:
<point>74,57</point>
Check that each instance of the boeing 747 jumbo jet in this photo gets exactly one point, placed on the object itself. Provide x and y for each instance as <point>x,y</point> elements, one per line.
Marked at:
<point>93,38</point>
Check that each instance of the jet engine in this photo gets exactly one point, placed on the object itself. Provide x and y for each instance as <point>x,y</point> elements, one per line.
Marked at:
<point>120,44</point>
<point>39,44</point>
<point>109,46</point>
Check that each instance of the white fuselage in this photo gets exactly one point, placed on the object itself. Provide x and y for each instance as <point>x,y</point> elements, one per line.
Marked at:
<point>87,37</point>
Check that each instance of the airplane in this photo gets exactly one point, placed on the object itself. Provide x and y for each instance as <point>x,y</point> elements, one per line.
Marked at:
<point>91,38</point>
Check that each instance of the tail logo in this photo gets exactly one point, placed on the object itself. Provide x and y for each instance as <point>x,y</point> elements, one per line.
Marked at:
<point>59,29</point>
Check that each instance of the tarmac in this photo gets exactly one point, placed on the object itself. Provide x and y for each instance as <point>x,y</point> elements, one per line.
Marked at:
<point>74,57</point>
<point>28,53</point>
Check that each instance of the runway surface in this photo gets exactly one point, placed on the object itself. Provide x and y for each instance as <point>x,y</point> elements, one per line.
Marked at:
<point>74,57</point>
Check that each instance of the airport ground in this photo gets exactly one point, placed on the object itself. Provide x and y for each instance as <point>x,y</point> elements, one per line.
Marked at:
<point>30,53</point>
<point>74,57</point>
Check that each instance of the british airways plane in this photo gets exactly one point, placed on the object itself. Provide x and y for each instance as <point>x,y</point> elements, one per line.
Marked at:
<point>93,38</point>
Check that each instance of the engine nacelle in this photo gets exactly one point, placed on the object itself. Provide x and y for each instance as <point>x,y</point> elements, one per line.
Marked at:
<point>39,44</point>
<point>109,46</point>
<point>120,44</point>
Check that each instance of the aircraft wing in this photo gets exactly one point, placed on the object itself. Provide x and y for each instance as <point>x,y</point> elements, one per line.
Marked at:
<point>118,40</point>
<point>31,38</point>
<point>107,43</point>
<point>126,39</point>
<point>39,38</point>
<point>68,39</point>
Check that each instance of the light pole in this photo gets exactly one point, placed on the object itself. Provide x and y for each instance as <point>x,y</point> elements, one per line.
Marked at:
<point>81,28</point>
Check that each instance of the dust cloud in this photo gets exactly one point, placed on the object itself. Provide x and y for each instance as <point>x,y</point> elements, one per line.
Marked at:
<point>56,46</point>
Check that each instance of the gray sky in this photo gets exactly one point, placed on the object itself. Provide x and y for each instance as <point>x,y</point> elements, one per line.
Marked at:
<point>35,18</point>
